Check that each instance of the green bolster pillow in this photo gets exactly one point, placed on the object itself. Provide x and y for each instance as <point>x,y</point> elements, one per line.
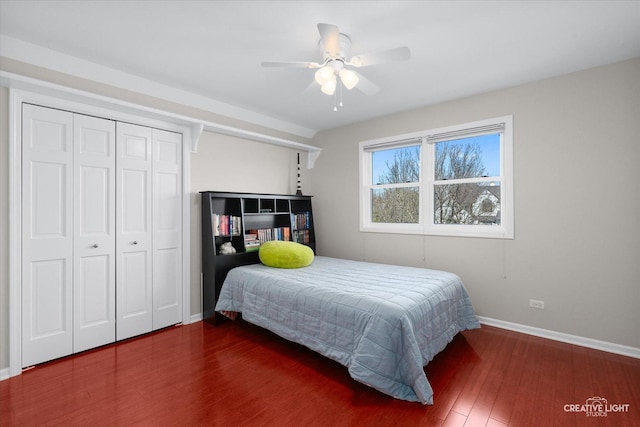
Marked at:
<point>284,254</point>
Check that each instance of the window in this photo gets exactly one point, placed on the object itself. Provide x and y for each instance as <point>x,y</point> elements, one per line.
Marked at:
<point>450,181</point>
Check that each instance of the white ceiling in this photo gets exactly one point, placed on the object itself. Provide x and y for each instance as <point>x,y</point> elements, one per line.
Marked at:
<point>214,49</point>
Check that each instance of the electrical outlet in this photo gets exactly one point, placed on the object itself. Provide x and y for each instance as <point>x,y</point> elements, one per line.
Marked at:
<point>536,304</point>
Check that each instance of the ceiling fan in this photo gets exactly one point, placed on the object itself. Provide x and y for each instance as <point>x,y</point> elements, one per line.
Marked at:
<point>336,63</point>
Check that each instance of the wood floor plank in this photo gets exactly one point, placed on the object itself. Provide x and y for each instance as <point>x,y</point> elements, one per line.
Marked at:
<point>495,423</point>
<point>501,349</point>
<point>478,416</point>
<point>627,368</point>
<point>504,404</point>
<point>528,388</point>
<point>478,375</point>
<point>454,419</point>
<point>459,372</point>
<point>239,374</point>
<point>561,357</point>
<point>545,408</point>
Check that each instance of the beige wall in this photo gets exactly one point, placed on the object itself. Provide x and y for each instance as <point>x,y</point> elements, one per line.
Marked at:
<point>577,200</point>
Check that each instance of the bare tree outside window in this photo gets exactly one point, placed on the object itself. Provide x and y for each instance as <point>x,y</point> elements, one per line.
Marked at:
<point>398,204</point>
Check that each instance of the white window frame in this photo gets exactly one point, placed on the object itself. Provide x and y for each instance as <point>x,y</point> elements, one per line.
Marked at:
<point>426,224</point>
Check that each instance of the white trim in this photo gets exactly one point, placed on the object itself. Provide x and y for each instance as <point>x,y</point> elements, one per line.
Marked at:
<point>196,133</point>
<point>196,317</point>
<point>19,82</point>
<point>562,337</point>
<point>4,374</point>
<point>53,60</point>
<point>15,237</point>
<point>16,99</point>
<point>426,224</point>
<point>186,224</point>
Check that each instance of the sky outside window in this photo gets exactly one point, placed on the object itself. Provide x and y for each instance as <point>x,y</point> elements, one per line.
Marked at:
<point>382,159</point>
<point>489,148</point>
<point>489,152</point>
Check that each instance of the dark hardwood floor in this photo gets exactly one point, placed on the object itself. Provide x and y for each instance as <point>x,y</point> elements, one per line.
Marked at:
<point>237,374</point>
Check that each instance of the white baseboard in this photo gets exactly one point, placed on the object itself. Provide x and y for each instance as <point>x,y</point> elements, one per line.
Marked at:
<point>195,318</point>
<point>567,338</point>
<point>4,374</point>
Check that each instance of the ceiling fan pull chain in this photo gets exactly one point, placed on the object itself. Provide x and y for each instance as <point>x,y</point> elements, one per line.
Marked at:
<point>341,94</point>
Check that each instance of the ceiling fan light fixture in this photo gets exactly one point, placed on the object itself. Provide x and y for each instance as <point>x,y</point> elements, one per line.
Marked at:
<point>336,55</point>
<point>349,78</point>
<point>324,75</point>
<point>329,87</point>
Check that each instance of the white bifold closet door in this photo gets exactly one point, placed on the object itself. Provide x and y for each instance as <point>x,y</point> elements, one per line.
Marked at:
<point>101,232</point>
<point>134,245</point>
<point>149,240</point>
<point>94,260</point>
<point>167,228</point>
<point>68,233</point>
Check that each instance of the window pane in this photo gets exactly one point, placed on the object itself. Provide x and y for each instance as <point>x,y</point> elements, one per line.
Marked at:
<point>471,157</point>
<point>395,205</point>
<point>396,165</point>
<point>477,204</point>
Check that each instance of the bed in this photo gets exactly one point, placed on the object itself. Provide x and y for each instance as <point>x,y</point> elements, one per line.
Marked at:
<point>383,322</point>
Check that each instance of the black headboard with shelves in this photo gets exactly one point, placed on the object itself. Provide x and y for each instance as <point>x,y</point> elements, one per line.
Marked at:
<point>246,220</point>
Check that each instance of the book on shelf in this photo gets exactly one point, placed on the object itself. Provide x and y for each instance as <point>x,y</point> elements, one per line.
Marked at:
<point>226,225</point>
<point>301,220</point>
<point>251,242</point>
<point>251,246</point>
<point>266,234</point>
<point>301,236</point>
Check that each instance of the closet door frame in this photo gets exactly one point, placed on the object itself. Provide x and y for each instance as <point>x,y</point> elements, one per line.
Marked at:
<point>92,105</point>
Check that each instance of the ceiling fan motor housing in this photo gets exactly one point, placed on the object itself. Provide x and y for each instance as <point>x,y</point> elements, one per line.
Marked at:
<point>344,43</point>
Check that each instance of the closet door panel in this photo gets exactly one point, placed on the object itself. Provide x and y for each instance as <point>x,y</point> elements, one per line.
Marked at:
<point>134,311</point>
<point>134,194</point>
<point>47,234</point>
<point>167,228</point>
<point>134,231</point>
<point>94,233</point>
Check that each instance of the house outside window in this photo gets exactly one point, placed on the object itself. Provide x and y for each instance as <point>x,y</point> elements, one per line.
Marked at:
<point>455,181</point>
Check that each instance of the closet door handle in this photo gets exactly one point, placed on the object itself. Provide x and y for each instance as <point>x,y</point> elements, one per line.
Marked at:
<point>95,245</point>
<point>135,242</point>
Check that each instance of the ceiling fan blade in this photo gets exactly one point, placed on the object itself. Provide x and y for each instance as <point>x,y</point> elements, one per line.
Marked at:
<point>291,64</point>
<point>374,58</point>
<point>366,86</point>
<point>330,38</point>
